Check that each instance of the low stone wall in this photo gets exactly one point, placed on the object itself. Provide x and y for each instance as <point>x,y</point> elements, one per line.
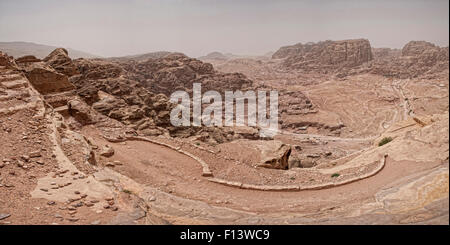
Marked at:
<point>205,168</point>
<point>299,187</point>
<point>207,173</point>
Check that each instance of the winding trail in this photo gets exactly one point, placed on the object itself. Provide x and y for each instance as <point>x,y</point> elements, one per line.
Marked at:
<point>165,170</point>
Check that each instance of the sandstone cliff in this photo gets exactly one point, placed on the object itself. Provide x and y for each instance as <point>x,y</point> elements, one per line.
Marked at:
<point>325,56</point>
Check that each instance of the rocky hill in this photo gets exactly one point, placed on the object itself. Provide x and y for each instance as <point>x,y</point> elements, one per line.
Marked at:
<point>121,92</point>
<point>176,71</point>
<point>418,58</point>
<point>132,93</point>
<point>139,57</point>
<point>214,56</point>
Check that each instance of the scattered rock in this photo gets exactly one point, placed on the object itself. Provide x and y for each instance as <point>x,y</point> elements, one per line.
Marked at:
<point>72,219</point>
<point>35,154</point>
<point>4,216</point>
<point>107,151</point>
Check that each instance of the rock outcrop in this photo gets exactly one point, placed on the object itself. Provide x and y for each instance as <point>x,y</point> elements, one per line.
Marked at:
<point>135,93</point>
<point>78,89</point>
<point>415,59</point>
<point>81,112</point>
<point>60,61</point>
<point>45,79</point>
<point>7,61</point>
<point>27,59</point>
<point>325,56</point>
<point>176,71</point>
<point>105,87</point>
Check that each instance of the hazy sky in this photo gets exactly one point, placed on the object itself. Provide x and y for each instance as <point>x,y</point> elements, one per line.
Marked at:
<point>197,27</point>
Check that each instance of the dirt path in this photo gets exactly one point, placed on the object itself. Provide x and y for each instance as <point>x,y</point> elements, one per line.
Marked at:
<point>177,174</point>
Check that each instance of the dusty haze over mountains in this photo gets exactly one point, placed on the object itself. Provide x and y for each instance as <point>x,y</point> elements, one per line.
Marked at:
<point>363,130</point>
<point>118,28</point>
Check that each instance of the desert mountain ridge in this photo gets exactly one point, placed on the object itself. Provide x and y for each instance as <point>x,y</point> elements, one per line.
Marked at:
<point>18,49</point>
<point>219,56</point>
<point>139,57</point>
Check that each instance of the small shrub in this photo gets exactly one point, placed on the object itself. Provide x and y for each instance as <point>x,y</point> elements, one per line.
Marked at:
<point>384,141</point>
<point>127,191</point>
<point>335,175</point>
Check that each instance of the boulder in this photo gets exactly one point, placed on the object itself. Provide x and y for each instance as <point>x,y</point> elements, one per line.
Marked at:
<point>274,154</point>
<point>81,112</point>
<point>307,163</point>
<point>294,162</point>
<point>107,151</point>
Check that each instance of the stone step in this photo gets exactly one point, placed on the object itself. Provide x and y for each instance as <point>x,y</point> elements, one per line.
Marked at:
<point>63,110</point>
<point>13,109</point>
<point>15,84</point>
<point>12,103</point>
<point>60,98</point>
<point>10,77</point>
<point>11,94</point>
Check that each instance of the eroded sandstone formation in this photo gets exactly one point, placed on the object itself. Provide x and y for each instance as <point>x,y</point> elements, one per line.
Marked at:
<point>7,61</point>
<point>325,56</point>
<point>60,61</point>
<point>60,155</point>
<point>104,86</point>
<point>121,92</point>
<point>45,79</point>
<point>418,58</point>
<point>176,71</point>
